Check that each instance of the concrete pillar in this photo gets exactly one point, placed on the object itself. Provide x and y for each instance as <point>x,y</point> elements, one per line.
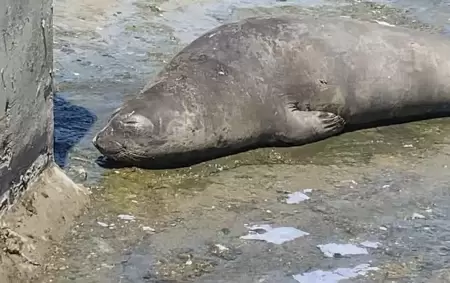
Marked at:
<point>26,114</point>
<point>37,200</point>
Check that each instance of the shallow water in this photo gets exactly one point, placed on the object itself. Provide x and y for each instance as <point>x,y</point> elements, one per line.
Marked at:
<point>186,224</point>
<point>435,12</point>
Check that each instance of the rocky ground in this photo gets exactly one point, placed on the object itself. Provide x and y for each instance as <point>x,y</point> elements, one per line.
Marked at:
<point>367,206</point>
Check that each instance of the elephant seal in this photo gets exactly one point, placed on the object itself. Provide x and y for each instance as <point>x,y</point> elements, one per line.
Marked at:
<point>278,82</point>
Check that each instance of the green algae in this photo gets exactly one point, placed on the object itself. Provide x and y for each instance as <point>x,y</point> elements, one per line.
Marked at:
<point>349,149</point>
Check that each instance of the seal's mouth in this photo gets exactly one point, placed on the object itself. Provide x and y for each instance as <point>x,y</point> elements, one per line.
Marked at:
<point>116,151</point>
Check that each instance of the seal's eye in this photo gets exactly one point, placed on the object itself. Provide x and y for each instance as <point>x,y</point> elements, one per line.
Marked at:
<point>137,121</point>
<point>130,122</point>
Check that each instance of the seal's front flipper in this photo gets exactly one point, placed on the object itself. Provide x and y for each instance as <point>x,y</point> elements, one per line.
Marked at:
<point>304,127</point>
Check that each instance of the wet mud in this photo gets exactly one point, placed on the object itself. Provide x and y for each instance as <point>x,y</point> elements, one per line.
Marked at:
<point>386,185</point>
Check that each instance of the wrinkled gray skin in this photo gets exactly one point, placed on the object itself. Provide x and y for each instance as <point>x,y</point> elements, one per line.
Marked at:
<point>278,82</point>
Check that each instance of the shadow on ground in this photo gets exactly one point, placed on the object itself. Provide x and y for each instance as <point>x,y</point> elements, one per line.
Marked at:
<point>72,123</point>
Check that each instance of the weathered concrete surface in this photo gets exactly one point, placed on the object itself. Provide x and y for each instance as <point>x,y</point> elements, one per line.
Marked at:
<point>37,200</point>
<point>29,229</point>
<point>25,94</point>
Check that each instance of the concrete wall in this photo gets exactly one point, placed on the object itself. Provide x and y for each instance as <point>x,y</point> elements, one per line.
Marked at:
<point>26,114</point>
<point>49,200</point>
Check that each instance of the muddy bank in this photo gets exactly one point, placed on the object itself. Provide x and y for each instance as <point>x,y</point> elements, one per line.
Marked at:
<point>386,185</point>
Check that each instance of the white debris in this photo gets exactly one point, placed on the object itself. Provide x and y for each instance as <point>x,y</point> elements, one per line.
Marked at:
<point>147,228</point>
<point>417,216</point>
<point>307,191</point>
<point>332,249</point>
<point>296,197</point>
<point>221,248</point>
<point>408,145</point>
<point>349,181</point>
<point>372,245</point>
<point>383,228</point>
<point>109,266</point>
<point>103,224</point>
<point>384,23</point>
<point>334,276</point>
<point>76,74</point>
<point>126,217</point>
<point>277,235</point>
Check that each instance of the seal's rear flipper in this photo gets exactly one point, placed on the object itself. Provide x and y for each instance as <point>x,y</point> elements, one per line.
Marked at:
<point>309,126</point>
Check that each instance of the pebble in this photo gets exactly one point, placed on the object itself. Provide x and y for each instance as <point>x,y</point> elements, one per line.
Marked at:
<point>417,216</point>
<point>103,224</point>
<point>147,228</point>
<point>126,217</point>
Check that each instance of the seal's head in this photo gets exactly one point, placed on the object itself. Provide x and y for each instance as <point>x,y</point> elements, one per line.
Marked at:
<point>143,132</point>
<point>124,136</point>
